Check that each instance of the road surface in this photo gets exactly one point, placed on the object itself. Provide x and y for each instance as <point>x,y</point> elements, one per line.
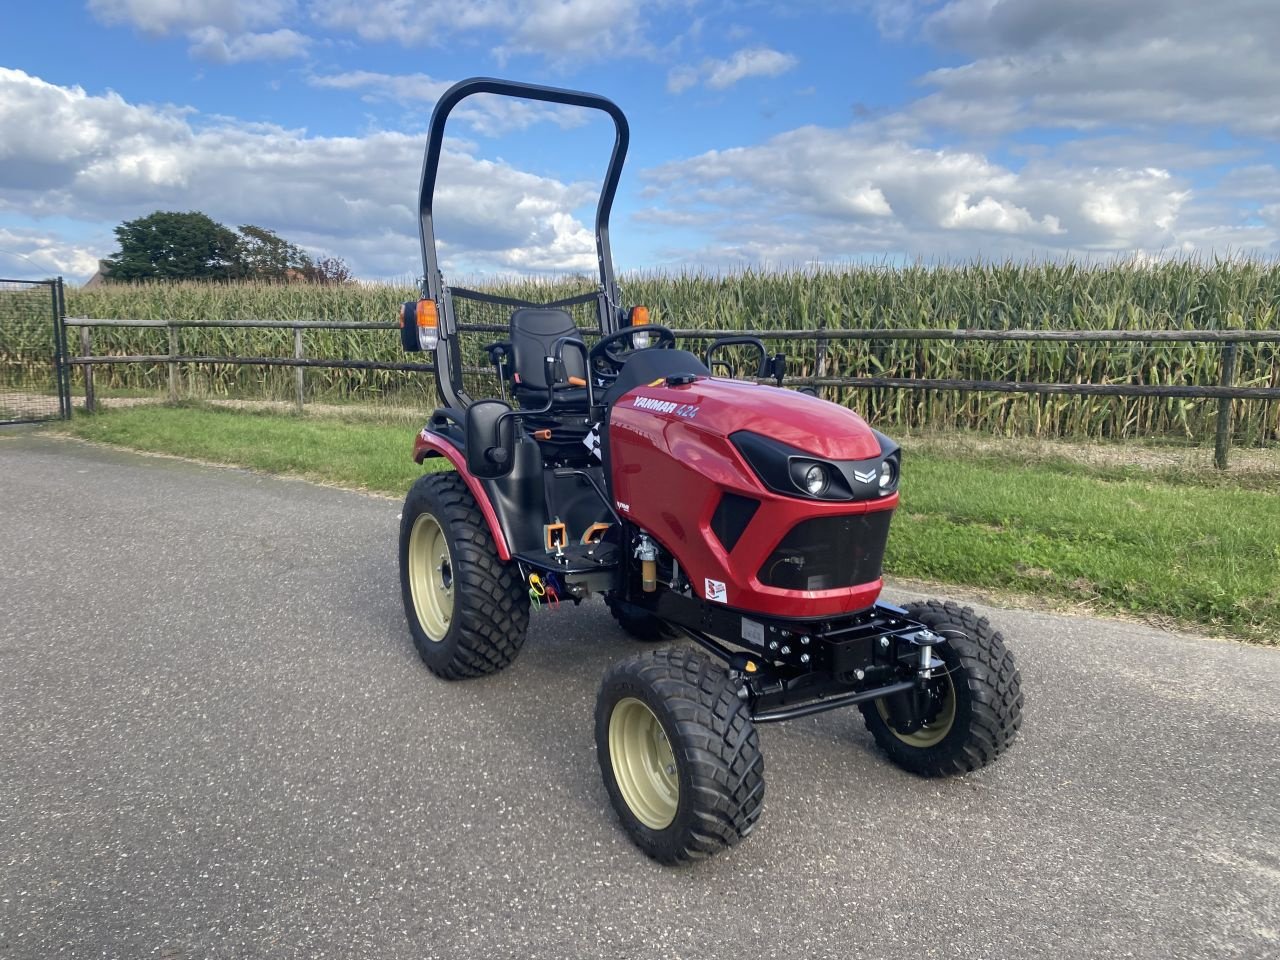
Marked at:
<point>218,742</point>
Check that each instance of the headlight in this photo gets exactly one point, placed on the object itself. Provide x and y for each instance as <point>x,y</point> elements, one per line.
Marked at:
<point>792,472</point>
<point>640,341</point>
<point>815,480</point>
<point>888,474</point>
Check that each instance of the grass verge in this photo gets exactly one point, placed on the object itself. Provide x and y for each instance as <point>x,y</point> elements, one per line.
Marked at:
<point>1178,546</point>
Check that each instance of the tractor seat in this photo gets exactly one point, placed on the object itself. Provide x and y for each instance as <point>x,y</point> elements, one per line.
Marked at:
<point>534,332</point>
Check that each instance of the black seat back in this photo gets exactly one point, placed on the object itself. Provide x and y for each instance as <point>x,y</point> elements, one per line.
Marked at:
<point>534,332</point>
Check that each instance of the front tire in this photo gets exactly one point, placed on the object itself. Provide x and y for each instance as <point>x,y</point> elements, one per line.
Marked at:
<point>980,698</point>
<point>467,610</point>
<point>679,754</point>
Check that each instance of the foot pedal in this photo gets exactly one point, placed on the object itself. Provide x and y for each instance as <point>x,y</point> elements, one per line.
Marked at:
<point>595,532</point>
<point>555,536</point>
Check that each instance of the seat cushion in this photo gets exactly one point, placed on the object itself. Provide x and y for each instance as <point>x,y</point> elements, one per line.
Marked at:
<point>534,332</point>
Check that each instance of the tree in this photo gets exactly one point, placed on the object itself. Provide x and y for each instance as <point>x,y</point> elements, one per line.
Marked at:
<point>175,246</point>
<point>193,246</point>
<point>264,255</point>
<point>328,270</point>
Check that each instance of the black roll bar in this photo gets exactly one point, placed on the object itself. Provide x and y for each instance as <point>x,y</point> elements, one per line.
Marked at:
<point>528,91</point>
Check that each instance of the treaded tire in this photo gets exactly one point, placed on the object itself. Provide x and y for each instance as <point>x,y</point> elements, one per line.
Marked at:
<point>719,769</point>
<point>490,612</point>
<point>987,689</point>
<point>644,627</point>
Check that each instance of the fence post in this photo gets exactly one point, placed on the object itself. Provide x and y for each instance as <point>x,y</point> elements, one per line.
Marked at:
<point>86,350</point>
<point>173,367</point>
<point>1222,438</point>
<point>820,361</point>
<point>298,373</point>
<point>64,353</point>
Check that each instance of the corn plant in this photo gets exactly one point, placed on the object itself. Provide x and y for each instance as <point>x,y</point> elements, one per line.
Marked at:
<point>1180,295</point>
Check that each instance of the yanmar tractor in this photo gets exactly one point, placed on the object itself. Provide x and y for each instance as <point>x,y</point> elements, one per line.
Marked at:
<point>591,455</point>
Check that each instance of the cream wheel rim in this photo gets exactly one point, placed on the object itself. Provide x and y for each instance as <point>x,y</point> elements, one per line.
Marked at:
<point>431,576</point>
<point>643,765</point>
<point>936,730</point>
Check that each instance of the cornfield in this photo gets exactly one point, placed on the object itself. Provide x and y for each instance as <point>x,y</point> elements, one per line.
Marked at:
<point>1183,295</point>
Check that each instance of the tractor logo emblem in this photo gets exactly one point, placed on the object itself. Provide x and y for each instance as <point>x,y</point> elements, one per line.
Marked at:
<point>686,410</point>
<point>864,476</point>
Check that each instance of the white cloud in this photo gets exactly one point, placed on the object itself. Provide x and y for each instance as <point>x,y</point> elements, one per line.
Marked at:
<point>36,254</point>
<point>722,74</point>
<point>1087,64</point>
<point>752,62</point>
<point>212,43</point>
<point>219,31</point>
<point>556,29</point>
<point>402,88</point>
<point>100,159</point>
<point>997,216</point>
<point>484,113</point>
<point>161,16</point>
<point>817,194</point>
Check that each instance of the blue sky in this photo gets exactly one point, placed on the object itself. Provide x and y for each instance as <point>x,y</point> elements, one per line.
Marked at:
<point>763,134</point>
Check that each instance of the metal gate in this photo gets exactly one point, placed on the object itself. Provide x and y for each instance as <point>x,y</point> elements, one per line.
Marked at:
<point>34,382</point>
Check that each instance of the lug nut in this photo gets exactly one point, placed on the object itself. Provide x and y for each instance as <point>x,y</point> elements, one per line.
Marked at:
<point>859,674</point>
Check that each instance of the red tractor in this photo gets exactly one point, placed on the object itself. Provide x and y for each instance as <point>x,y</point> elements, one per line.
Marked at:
<point>591,455</point>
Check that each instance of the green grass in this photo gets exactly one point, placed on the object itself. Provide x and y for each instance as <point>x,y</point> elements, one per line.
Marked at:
<point>1118,539</point>
<point>352,453</point>
<point>1184,546</point>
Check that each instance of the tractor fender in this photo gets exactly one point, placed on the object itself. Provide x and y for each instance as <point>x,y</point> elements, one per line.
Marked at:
<point>427,444</point>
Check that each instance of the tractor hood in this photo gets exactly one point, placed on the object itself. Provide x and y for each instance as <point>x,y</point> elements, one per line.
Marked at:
<point>724,407</point>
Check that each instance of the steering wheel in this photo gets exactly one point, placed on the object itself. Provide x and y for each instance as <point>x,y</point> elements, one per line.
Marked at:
<point>608,355</point>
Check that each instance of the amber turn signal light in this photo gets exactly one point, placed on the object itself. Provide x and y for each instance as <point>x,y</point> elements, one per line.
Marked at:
<point>427,314</point>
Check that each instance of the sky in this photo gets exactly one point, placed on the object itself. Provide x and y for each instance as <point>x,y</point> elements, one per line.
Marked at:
<point>798,134</point>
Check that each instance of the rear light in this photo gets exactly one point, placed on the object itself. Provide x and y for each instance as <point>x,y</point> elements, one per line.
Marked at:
<point>640,318</point>
<point>419,325</point>
<point>428,319</point>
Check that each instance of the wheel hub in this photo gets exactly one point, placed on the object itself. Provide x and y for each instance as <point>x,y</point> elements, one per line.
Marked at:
<point>934,731</point>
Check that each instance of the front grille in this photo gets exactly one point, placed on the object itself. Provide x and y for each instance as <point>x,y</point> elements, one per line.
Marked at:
<point>826,553</point>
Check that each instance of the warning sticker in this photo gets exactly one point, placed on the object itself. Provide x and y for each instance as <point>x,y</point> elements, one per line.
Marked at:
<point>715,591</point>
<point>752,631</point>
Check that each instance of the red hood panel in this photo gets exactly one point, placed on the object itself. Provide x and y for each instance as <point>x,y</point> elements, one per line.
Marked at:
<point>724,407</point>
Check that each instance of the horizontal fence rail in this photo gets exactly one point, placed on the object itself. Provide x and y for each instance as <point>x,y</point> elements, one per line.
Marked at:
<point>257,362</point>
<point>1225,391</point>
<point>1070,336</point>
<point>248,324</point>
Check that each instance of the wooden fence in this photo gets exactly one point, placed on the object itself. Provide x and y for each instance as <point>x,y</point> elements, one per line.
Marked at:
<point>1225,391</point>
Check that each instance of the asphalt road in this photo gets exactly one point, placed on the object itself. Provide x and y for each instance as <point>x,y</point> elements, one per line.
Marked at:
<point>218,742</point>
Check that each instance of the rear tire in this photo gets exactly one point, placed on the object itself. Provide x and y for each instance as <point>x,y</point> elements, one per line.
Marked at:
<point>981,708</point>
<point>467,610</point>
<point>641,626</point>
<point>679,754</point>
